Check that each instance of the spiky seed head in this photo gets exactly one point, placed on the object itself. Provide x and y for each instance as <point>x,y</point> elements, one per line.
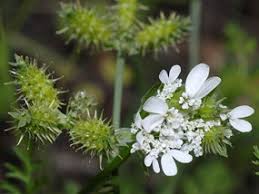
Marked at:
<point>93,135</point>
<point>33,83</point>
<point>84,25</point>
<point>162,33</point>
<point>37,123</point>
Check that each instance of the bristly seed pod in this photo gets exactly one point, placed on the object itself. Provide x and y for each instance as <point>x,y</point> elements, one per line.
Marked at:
<point>121,31</point>
<point>38,119</point>
<point>38,123</point>
<point>83,25</point>
<point>162,33</point>
<point>93,135</point>
<point>33,83</point>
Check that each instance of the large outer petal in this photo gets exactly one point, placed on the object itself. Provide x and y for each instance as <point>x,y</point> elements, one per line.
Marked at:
<point>168,165</point>
<point>163,76</point>
<point>241,112</point>
<point>181,156</point>
<point>241,125</point>
<point>155,166</point>
<point>152,121</point>
<point>155,105</point>
<point>196,78</point>
<point>209,85</point>
<point>174,73</point>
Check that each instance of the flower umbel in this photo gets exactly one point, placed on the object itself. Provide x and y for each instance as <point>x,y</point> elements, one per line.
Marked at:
<point>182,121</point>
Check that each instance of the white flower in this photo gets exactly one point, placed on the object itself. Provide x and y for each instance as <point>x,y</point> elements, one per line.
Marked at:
<point>236,115</point>
<point>173,75</point>
<point>197,86</point>
<point>168,162</point>
<point>158,110</point>
<point>179,134</point>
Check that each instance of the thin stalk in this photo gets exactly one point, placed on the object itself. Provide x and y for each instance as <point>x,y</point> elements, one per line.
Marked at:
<point>194,48</point>
<point>118,86</point>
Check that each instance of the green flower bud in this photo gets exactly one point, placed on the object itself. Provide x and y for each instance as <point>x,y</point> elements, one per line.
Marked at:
<point>162,33</point>
<point>83,25</point>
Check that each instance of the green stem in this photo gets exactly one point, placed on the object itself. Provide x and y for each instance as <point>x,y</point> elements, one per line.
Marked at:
<point>118,85</point>
<point>194,48</point>
<point>107,172</point>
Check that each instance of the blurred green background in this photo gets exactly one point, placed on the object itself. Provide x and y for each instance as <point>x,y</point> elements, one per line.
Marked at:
<point>229,44</point>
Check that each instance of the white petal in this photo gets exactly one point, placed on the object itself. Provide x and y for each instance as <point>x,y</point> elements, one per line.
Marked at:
<point>181,156</point>
<point>241,125</point>
<point>140,138</point>
<point>152,121</point>
<point>241,112</point>
<point>163,76</point>
<point>138,121</point>
<point>155,166</point>
<point>168,165</point>
<point>155,105</point>
<point>209,85</point>
<point>196,78</point>
<point>148,160</point>
<point>174,73</point>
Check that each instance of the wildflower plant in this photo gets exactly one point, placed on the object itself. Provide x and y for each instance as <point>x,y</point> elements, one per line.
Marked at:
<point>181,121</point>
<point>176,121</point>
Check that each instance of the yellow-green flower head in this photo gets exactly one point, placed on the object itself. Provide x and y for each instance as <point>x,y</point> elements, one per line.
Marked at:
<point>33,83</point>
<point>84,25</point>
<point>37,123</point>
<point>93,135</point>
<point>162,33</point>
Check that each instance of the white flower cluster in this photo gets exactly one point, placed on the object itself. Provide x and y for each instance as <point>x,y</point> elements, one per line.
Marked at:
<point>167,132</point>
